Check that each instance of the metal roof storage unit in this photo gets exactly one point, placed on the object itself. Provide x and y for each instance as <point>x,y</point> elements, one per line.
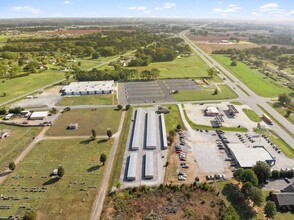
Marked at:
<point>163,131</point>
<point>149,165</point>
<point>136,142</point>
<point>132,168</point>
<point>151,142</point>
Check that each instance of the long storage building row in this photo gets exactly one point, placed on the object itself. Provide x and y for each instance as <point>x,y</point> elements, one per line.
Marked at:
<point>163,131</point>
<point>151,142</point>
<point>137,138</point>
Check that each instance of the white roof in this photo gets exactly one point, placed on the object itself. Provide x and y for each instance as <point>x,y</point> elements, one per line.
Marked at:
<point>247,157</point>
<point>132,169</point>
<point>163,131</point>
<point>149,165</point>
<point>212,109</point>
<point>151,130</point>
<point>136,142</point>
<point>39,114</point>
<point>89,86</point>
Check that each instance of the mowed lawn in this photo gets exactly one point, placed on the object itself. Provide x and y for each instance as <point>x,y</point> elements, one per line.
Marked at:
<point>191,67</point>
<point>88,63</point>
<point>19,86</point>
<point>13,145</point>
<point>256,81</point>
<point>225,92</point>
<point>68,198</point>
<point>99,119</point>
<point>105,99</point>
<point>283,111</point>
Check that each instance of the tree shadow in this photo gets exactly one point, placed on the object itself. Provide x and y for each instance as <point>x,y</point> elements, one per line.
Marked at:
<point>51,181</point>
<point>93,168</point>
<point>87,141</point>
<point>116,109</point>
<point>5,173</point>
<point>102,141</point>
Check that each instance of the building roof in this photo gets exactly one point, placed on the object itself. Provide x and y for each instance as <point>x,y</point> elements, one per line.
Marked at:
<point>89,86</point>
<point>163,130</point>
<point>149,164</point>
<point>289,188</point>
<point>39,114</point>
<point>247,157</point>
<point>151,130</point>
<point>136,141</point>
<point>284,198</point>
<point>132,169</point>
<point>212,110</point>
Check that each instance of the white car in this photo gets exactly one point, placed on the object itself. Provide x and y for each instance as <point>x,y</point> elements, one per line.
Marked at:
<point>181,178</point>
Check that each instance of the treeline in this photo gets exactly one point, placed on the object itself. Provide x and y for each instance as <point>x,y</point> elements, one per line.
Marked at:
<point>162,51</point>
<point>273,39</point>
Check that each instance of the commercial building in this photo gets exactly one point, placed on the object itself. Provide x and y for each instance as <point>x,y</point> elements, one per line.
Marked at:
<point>137,137</point>
<point>38,115</point>
<point>132,168</point>
<point>163,131</point>
<point>149,165</point>
<point>88,88</point>
<point>151,142</point>
<point>211,111</point>
<point>247,157</point>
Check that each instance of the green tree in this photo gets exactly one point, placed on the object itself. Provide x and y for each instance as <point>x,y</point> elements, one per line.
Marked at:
<point>211,72</point>
<point>30,215</point>
<point>275,174</point>
<point>262,171</point>
<point>93,133</point>
<point>3,111</point>
<point>215,92</point>
<point>246,189</point>
<point>249,176</point>
<point>11,166</point>
<point>270,209</point>
<point>109,133</point>
<point>103,158</point>
<point>60,171</point>
<point>119,106</point>
<point>284,99</point>
<point>155,73</point>
<point>95,55</point>
<point>256,196</point>
<point>128,106</point>
<point>289,112</point>
<point>238,174</point>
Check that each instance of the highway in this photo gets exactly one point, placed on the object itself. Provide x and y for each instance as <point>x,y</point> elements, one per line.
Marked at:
<point>253,100</point>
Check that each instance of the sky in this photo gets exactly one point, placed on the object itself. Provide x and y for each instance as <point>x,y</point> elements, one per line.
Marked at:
<point>241,9</point>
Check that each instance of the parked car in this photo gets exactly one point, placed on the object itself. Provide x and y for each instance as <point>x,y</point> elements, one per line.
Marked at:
<point>228,159</point>
<point>287,180</point>
<point>181,178</point>
<point>182,174</point>
<point>184,165</point>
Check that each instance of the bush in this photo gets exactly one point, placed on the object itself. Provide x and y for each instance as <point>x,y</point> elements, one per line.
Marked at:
<point>3,111</point>
<point>11,166</point>
<point>60,171</point>
<point>30,215</point>
<point>275,174</point>
<point>128,107</point>
<point>119,106</point>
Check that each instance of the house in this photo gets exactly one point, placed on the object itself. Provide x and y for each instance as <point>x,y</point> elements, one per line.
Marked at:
<point>289,189</point>
<point>283,200</point>
<point>72,126</point>
<point>4,133</point>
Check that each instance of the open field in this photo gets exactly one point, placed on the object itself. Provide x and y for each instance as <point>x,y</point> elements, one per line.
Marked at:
<point>282,111</point>
<point>88,63</point>
<point>225,92</point>
<point>256,81</point>
<point>105,99</point>
<point>210,47</point>
<point>173,118</point>
<point>251,115</point>
<point>68,198</point>
<point>19,86</point>
<point>185,67</point>
<point>13,145</point>
<point>195,201</point>
<point>87,119</point>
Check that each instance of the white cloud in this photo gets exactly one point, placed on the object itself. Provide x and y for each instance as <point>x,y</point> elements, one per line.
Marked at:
<point>147,11</point>
<point>271,10</point>
<point>230,9</point>
<point>167,5</point>
<point>26,9</point>
<point>268,7</point>
<point>67,2</point>
<point>138,8</point>
<point>291,12</point>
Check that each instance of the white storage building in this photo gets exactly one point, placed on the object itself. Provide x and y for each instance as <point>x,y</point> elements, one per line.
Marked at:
<point>163,131</point>
<point>38,115</point>
<point>137,137</point>
<point>151,142</point>
<point>132,168</point>
<point>149,165</point>
<point>88,88</point>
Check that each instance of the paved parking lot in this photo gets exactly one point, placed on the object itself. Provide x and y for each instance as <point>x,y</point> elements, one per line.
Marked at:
<point>152,91</point>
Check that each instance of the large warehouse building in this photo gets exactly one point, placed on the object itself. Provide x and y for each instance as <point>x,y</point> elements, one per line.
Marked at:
<point>137,137</point>
<point>163,131</point>
<point>132,169</point>
<point>88,88</point>
<point>151,142</point>
<point>149,165</point>
<point>248,156</point>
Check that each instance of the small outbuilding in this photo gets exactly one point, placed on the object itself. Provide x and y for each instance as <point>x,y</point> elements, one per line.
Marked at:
<point>8,116</point>
<point>38,115</point>
<point>72,126</point>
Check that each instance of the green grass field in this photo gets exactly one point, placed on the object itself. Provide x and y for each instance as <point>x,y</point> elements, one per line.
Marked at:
<point>256,81</point>
<point>88,63</point>
<point>206,94</point>
<point>19,86</point>
<point>251,115</point>
<point>173,118</point>
<point>68,198</point>
<point>105,99</point>
<point>13,145</point>
<point>87,119</point>
<point>185,67</point>
<point>282,111</point>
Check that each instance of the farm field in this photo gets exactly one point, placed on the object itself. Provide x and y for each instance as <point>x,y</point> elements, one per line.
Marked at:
<point>185,67</point>
<point>68,198</point>
<point>282,111</point>
<point>13,145</point>
<point>22,85</point>
<point>99,119</point>
<point>225,92</point>
<point>105,99</point>
<point>209,48</point>
<point>256,81</point>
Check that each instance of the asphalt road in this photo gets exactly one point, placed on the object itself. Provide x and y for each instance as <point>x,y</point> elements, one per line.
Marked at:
<point>253,100</point>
